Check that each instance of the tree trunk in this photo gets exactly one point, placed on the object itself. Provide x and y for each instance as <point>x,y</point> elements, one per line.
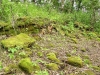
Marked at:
<point>93,17</point>
<point>79,4</point>
<point>0,2</point>
<point>33,1</point>
<point>72,5</point>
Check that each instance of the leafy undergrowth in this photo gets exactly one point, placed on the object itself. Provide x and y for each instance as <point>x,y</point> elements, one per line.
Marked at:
<point>54,54</point>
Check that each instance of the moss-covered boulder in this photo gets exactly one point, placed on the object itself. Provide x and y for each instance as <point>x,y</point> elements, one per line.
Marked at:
<point>52,66</point>
<point>75,61</point>
<point>52,57</point>
<point>26,65</point>
<point>3,25</point>
<point>22,40</point>
<point>22,21</point>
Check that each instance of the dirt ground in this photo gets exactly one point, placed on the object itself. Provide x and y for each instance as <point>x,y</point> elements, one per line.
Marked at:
<point>61,45</point>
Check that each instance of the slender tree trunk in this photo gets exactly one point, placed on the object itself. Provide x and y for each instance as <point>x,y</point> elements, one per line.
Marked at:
<point>13,19</point>
<point>93,17</point>
<point>0,2</point>
<point>33,1</point>
<point>79,4</point>
<point>39,1</point>
<point>72,5</point>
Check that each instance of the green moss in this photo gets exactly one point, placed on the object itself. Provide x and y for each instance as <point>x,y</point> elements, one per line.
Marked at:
<point>22,40</point>
<point>74,40</point>
<point>28,53</point>
<point>22,21</point>
<point>27,49</point>
<point>3,24</point>
<point>23,54</point>
<point>89,72</point>
<point>36,67</point>
<point>92,35</point>
<point>83,50</point>
<point>52,66</point>
<point>78,73</point>
<point>98,39</point>
<point>40,54</point>
<point>10,68</point>
<point>52,57</point>
<point>96,68</point>
<point>87,61</point>
<point>85,56</point>
<point>26,65</point>
<point>75,61</point>
<point>40,22</point>
<point>37,37</point>
<point>68,54</point>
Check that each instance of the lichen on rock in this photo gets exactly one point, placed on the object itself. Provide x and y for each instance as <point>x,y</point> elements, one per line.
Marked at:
<point>75,61</point>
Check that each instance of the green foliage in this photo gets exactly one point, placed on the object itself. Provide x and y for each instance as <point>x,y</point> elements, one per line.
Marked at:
<point>87,61</point>
<point>83,17</point>
<point>1,66</point>
<point>10,10</point>
<point>11,55</point>
<point>92,35</point>
<point>12,51</point>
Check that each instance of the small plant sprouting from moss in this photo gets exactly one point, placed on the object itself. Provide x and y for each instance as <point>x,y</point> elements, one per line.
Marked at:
<point>87,61</point>
<point>12,51</point>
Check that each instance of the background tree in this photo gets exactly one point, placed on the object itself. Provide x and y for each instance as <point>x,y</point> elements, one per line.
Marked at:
<point>0,2</point>
<point>32,0</point>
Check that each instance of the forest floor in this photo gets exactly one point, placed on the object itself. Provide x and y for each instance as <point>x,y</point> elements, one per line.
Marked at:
<point>76,45</point>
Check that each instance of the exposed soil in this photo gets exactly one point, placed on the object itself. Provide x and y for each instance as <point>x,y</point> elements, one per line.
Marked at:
<point>61,45</point>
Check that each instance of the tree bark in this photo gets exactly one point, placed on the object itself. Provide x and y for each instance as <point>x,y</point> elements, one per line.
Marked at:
<point>33,1</point>
<point>79,4</point>
<point>72,5</point>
